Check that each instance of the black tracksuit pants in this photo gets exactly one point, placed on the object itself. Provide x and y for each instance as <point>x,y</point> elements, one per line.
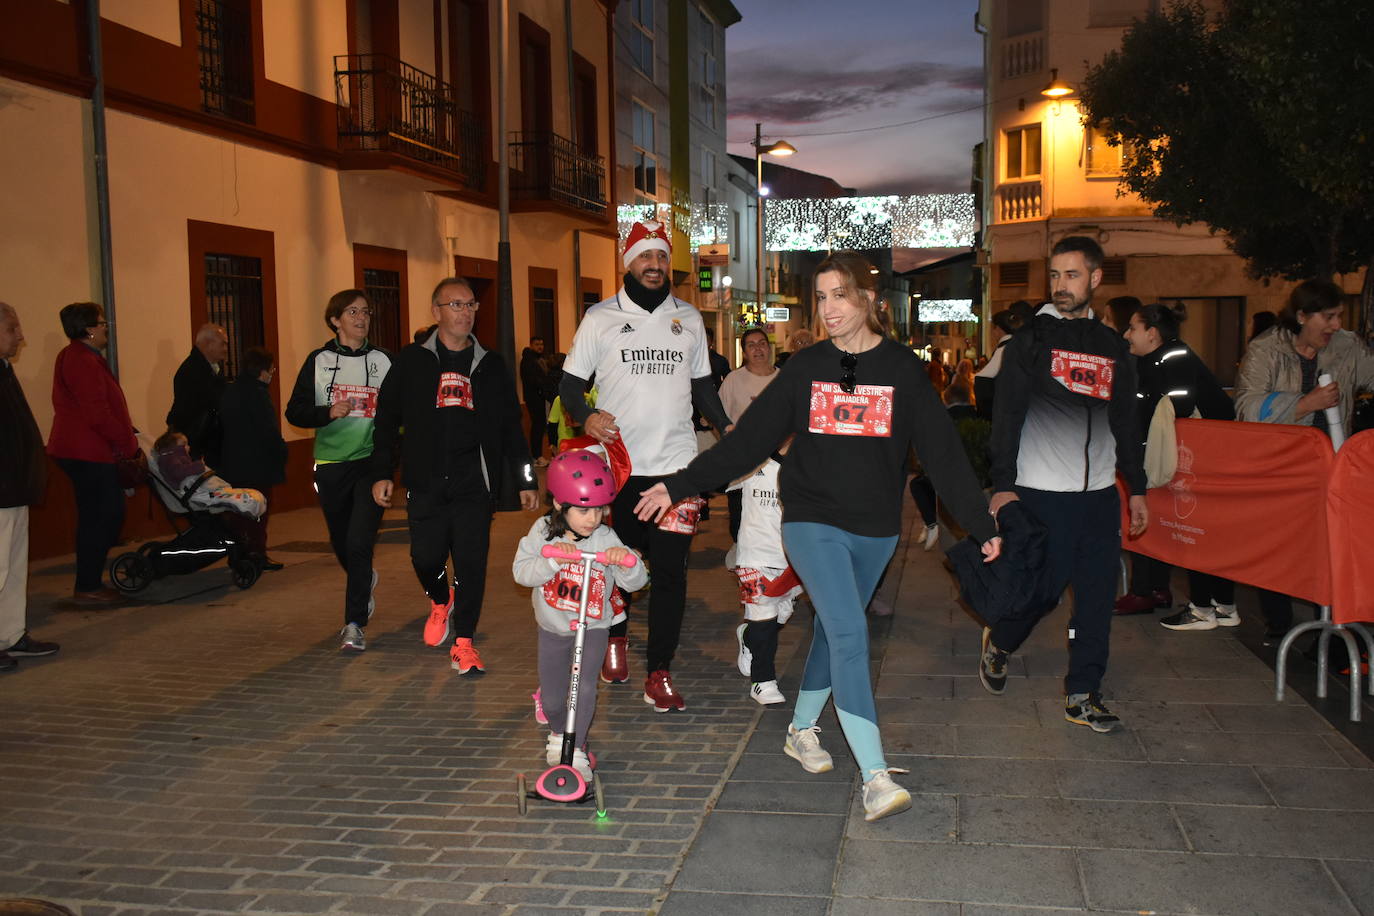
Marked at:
<point>352,516</point>
<point>451,519</point>
<point>1082,550</point>
<point>666,554</point>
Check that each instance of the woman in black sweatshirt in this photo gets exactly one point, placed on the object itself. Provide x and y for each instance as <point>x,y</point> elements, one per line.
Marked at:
<point>855,403</point>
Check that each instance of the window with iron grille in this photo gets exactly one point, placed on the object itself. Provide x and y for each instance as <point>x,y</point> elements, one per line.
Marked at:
<point>1113,271</point>
<point>233,300</point>
<point>225,45</point>
<point>383,289</point>
<point>1013,273</point>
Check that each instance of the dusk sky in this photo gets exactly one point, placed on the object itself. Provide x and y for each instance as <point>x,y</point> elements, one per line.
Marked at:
<point>808,67</point>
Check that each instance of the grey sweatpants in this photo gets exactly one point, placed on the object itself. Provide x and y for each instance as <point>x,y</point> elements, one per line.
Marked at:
<point>555,670</point>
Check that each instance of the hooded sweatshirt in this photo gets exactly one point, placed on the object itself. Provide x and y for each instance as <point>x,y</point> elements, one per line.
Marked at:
<point>331,374</point>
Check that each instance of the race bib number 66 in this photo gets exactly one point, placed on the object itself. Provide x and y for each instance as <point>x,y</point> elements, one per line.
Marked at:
<point>865,412</point>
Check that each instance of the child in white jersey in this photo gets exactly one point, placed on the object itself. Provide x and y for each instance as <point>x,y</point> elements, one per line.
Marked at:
<point>767,584</point>
<point>582,486</point>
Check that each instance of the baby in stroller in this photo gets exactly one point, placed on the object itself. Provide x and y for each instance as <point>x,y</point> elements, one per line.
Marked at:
<point>199,485</point>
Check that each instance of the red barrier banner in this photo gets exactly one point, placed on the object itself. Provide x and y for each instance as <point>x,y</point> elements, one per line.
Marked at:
<point>1350,513</point>
<point>1248,502</point>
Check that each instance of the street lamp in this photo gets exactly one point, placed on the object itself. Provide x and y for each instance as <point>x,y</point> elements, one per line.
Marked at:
<point>1056,88</point>
<point>777,148</point>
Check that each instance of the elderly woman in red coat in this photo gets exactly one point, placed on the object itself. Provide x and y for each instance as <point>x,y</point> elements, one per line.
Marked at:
<point>91,431</point>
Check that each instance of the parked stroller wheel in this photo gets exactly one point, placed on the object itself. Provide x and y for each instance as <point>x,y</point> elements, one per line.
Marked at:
<point>131,572</point>
<point>244,572</point>
<point>521,794</point>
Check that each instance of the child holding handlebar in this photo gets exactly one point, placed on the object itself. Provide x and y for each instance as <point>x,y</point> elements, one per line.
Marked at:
<point>582,486</point>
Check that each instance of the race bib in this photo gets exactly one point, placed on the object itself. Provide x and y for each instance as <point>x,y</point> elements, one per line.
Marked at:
<point>361,399</point>
<point>564,592</point>
<point>866,412</point>
<point>455,390</point>
<point>682,517</point>
<point>1083,373</point>
<point>751,584</point>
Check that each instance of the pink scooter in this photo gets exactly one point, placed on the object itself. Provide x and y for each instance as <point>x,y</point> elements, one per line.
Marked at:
<point>562,783</point>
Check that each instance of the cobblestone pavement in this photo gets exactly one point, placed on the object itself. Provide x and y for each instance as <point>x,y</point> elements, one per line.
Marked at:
<point>213,750</point>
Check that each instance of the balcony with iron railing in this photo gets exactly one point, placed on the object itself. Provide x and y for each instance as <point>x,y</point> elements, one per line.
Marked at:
<point>546,166</point>
<point>1019,200</point>
<point>388,106</point>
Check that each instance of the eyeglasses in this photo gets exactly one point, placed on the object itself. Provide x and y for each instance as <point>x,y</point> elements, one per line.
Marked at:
<point>355,312</point>
<point>459,305</point>
<point>848,362</point>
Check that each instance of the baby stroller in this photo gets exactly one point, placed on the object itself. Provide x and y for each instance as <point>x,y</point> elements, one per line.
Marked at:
<point>202,539</point>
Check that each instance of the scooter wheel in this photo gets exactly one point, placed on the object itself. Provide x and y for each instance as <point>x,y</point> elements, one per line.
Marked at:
<point>521,795</point>
<point>561,784</point>
<point>600,797</point>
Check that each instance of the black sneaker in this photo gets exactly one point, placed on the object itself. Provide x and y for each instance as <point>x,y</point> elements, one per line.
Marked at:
<point>1087,709</point>
<point>992,666</point>
<point>28,647</point>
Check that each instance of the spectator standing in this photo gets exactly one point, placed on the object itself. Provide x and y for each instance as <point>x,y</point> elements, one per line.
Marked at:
<point>800,340</point>
<point>738,391</point>
<point>1065,424</point>
<point>1278,383</point>
<point>448,412</point>
<point>534,372</point>
<point>91,432</point>
<point>336,395</point>
<point>253,455</point>
<point>648,350</point>
<point>23,477</point>
<point>1168,367</point>
<point>196,389</point>
<point>1004,324</point>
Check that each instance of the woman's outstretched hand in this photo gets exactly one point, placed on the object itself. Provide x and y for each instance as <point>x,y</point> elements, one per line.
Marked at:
<point>653,502</point>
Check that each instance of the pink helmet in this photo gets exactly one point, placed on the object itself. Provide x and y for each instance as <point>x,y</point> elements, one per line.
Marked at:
<point>581,477</point>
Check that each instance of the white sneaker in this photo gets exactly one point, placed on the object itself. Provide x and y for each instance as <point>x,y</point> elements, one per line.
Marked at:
<point>932,537</point>
<point>745,660</point>
<point>1191,617</point>
<point>352,638</point>
<point>766,693</point>
<point>1226,615</point>
<point>882,796</point>
<point>804,747</point>
<point>553,752</point>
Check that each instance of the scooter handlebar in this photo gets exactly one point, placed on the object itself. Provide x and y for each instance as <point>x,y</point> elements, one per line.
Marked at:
<point>556,551</point>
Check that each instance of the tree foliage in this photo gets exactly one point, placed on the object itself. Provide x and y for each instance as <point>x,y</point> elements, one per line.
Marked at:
<point>1258,122</point>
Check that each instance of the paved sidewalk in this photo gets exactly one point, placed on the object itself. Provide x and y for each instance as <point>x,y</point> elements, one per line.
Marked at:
<point>211,750</point>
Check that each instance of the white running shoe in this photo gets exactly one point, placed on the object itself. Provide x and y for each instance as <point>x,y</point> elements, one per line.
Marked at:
<point>766,693</point>
<point>805,747</point>
<point>745,660</point>
<point>1226,615</point>
<point>932,537</point>
<point>1191,617</point>
<point>353,638</point>
<point>882,796</point>
<point>553,752</point>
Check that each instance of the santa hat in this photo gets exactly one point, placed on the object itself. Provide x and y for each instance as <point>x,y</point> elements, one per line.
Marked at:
<point>645,236</point>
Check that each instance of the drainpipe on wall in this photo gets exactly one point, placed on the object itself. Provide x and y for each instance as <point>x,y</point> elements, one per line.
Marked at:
<point>574,131</point>
<point>102,179</point>
<point>505,292</point>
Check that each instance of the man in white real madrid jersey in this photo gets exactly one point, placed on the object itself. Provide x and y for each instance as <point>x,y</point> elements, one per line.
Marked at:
<point>648,350</point>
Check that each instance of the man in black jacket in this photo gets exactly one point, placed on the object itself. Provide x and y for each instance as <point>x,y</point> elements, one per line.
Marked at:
<point>462,455</point>
<point>1064,424</point>
<point>254,453</point>
<point>533,376</point>
<point>23,475</point>
<point>196,390</point>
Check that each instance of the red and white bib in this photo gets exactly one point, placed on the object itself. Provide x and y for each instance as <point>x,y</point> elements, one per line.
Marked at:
<point>865,412</point>
<point>455,390</point>
<point>1083,373</point>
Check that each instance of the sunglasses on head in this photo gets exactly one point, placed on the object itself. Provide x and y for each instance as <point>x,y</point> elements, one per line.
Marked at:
<point>848,362</point>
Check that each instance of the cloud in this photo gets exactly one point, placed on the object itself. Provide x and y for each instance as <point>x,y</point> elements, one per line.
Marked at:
<point>779,91</point>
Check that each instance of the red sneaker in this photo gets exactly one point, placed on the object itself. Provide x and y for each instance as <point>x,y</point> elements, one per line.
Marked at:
<point>1134,604</point>
<point>463,657</point>
<point>615,669</point>
<point>439,625</point>
<point>660,692</point>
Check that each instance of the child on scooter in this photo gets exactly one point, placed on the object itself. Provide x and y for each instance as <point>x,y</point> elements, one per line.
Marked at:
<point>582,487</point>
<point>767,584</point>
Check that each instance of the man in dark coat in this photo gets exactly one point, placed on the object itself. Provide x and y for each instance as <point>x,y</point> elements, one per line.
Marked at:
<point>196,390</point>
<point>533,378</point>
<point>23,476</point>
<point>253,453</point>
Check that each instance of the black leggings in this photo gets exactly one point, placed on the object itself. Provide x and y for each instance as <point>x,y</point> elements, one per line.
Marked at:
<point>352,516</point>
<point>99,517</point>
<point>666,553</point>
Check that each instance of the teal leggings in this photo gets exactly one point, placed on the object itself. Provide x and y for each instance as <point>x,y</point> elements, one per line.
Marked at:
<point>840,571</point>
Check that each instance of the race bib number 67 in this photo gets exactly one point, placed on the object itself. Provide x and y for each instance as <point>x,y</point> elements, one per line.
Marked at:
<point>865,412</point>
<point>1083,373</point>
